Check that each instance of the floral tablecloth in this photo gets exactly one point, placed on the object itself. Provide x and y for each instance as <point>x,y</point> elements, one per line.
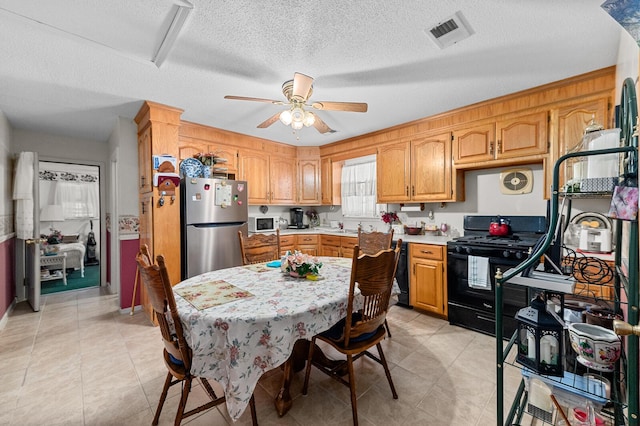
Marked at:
<point>237,341</point>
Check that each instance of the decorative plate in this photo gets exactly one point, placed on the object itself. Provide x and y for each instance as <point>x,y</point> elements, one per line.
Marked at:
<point>191,168</point>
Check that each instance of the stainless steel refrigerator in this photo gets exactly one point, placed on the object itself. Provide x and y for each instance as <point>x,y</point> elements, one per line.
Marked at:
<point>212,212</point>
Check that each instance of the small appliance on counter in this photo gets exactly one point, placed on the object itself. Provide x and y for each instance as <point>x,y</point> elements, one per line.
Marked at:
<point>297,218</point>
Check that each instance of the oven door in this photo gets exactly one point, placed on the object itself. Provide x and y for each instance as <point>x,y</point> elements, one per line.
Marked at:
<point>514,297</point>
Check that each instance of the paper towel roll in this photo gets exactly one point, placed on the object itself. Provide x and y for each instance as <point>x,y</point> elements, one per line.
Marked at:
<point>410,209</point>
<point>604,165</point>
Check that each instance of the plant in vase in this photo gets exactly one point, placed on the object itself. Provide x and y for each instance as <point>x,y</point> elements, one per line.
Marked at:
<point>314,219</point>
<point>299,264</point>
<point>390,218</point>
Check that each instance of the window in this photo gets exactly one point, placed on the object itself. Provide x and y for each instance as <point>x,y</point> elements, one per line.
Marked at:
<point>359,188</point>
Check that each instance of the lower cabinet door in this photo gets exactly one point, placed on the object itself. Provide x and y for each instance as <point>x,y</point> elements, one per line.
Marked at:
<point>426,286</point>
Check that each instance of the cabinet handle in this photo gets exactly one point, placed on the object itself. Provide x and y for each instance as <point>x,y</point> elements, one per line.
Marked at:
<point>142,204</point>
<point>407,190</point>
<point>141,181</point>
<point>490,148</point>
<point>426,252</point>
<point>499,146</point>
<point>413,190</point>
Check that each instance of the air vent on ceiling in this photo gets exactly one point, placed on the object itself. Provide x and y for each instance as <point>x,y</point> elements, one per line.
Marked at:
<point>450,31</point>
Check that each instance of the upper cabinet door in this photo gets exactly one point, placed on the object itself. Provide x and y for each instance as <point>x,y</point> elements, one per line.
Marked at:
<point>255,170</point>
<point>326,181</point>
<point>282,180</point>
<point>309,182</point>
<point>474,144</point>
<point>522,136</point>
<point>431,168</point>
<point>394,173</point>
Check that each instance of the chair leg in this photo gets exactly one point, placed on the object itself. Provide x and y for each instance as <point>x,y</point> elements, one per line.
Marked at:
<point>252,407</point>
<point>352,388</point>
<point>163,396</point>
<point>386,370</point>
<point>386,325</point>
<point>307,373</point>
<point>186,388</point>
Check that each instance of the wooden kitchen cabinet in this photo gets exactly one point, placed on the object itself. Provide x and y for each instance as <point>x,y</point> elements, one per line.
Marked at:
<point>159,224</point>
<point>418,170</point>
<point>514,140</point>
<point>270,179</point>
<point>330,245</point>
<point>427,281</point>
<point>229,167</point>
<point>287,243</point>
<point>346,246</point>
<point>568,125</point>
<point>326,181</point>
<point>145,163</point>
<point>307,243</point>
<point>309,182</point>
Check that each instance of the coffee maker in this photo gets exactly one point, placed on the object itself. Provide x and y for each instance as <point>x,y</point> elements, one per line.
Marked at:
<point>297,218</point>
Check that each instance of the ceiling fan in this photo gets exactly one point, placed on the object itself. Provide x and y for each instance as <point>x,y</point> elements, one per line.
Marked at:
<point>297,92</point>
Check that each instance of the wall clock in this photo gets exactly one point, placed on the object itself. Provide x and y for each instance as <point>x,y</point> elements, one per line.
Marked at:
<point>516,181</point>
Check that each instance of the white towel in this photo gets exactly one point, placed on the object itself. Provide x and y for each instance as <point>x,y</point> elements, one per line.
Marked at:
<point>23,194</point>
<point>478,272</point>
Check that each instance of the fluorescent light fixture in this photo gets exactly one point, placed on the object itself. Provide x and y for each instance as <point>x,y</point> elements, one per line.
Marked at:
<point>171,36</point>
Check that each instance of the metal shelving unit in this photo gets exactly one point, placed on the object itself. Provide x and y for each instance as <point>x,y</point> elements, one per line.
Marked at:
<point>626,290</point>
<point>623,402</point>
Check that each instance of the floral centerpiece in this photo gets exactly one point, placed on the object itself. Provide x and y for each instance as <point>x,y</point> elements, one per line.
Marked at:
<point>299,264</point>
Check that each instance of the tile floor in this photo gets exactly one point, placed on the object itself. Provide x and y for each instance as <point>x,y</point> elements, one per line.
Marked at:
<point>80,361</point>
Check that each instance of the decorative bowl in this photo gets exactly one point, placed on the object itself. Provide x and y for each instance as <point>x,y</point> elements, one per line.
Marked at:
<point>597,347</point>
<point>412,230</point>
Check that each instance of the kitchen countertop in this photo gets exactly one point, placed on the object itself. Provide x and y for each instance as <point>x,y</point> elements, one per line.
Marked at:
<point>423,239</point>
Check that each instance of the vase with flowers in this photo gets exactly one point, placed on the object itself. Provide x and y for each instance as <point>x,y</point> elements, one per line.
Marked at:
<point>314,219</point>
<point>390,218</point>
<point>299,264</point>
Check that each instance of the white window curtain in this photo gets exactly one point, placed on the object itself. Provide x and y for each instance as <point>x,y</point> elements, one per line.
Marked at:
<point>78,200</point>
<point>359,187</point>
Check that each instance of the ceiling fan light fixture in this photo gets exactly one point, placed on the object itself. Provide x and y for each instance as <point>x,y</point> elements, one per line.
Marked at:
<point>296,125</point>
<point>309,119</point>
<point>285,117</point>
<point>297,114</point>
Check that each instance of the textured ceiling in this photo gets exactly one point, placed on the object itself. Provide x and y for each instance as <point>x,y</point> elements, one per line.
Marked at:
<point>70,68</point>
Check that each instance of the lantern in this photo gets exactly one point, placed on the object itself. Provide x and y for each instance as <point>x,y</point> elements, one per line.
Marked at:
<point>540,339</point>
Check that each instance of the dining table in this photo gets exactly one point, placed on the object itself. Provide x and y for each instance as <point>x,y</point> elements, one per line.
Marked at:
<point>243,321</point>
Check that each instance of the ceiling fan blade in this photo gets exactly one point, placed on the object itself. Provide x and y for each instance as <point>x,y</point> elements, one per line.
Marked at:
<point>244,98</point>
<point>269,121</point>
<point>340,106</point>
<point>321,126</point>
<point>301,86</point>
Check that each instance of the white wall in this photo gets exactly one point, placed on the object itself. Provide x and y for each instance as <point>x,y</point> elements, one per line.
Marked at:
<point>6,175</point>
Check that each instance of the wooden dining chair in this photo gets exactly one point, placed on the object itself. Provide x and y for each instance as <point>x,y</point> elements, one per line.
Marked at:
<point>359,331</point>
<point>371,243</point>
<point>176,353</point>
<point>258,248</point>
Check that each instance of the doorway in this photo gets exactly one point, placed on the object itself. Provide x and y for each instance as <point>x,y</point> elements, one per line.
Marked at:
<point>70,218</point>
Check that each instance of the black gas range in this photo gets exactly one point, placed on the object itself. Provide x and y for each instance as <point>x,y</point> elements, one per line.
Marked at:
<point>472,306</point>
